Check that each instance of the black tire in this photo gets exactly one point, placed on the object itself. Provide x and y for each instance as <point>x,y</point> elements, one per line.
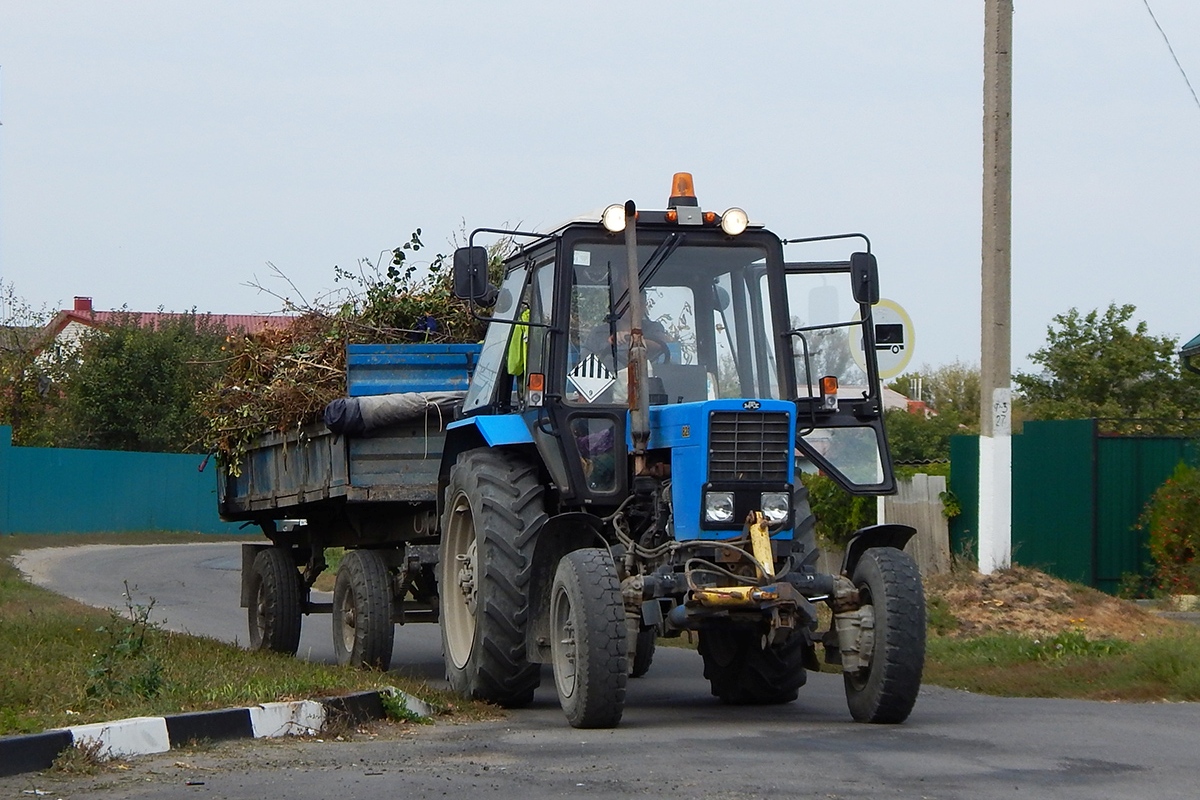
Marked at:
<point>494,506</point>
<point>363,631</point>
<point>886,691</point>
<point>805,552</point>
<point>741,672</point>
<point>587,639</point>
<point>275,593</point>
<point>646,641</point>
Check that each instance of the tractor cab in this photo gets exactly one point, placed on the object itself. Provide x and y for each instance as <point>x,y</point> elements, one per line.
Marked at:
<point>726,322</point>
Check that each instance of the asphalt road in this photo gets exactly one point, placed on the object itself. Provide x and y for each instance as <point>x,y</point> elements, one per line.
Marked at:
<point>675,739</point>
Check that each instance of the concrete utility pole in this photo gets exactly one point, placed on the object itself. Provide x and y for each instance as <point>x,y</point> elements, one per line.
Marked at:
<point>995,378</point>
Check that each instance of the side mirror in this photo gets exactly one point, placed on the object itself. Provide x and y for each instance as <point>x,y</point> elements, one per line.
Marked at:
<point>471,274</point>
<point>864,278</point>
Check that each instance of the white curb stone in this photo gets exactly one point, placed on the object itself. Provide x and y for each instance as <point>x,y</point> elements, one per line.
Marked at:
<point>296,718</point>
<point>125,737</point>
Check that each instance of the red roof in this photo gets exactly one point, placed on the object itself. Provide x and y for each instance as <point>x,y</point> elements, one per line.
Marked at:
<point>84,314</point>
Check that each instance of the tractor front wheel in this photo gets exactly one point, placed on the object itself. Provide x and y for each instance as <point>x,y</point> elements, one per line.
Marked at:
<point>886,690</point>
<point>587,639</point>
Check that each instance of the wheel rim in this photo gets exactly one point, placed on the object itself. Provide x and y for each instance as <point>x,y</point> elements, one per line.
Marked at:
<point>258,616</point>
<point>459,579</point>
<point>859,678</point>
<point>563,644</point>
<point>348,614</point>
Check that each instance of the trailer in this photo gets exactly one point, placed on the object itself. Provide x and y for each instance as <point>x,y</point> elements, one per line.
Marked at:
<point>619,460</point>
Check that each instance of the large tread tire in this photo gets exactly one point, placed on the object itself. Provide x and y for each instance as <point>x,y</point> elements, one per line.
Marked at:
<point>804,532</point>
<point>741,672</point>
<point>886,691</point>
<point>275,602</point>
<point>587,639</point>
<point>645,643</point>
<point>495,503</point>
<point>363,630</point>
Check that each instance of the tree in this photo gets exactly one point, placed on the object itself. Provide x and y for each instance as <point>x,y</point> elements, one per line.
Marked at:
<point>1101,365</point>
<point>28,400</point>
<point>913,438</point>
<point>951,392</point>
<point>948,388</point>
<point>137,387</point>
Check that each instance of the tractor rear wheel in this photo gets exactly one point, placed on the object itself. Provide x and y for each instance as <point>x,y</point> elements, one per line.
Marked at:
<point>742,672</point>
<point>645,641</point>
<point>494,506</point>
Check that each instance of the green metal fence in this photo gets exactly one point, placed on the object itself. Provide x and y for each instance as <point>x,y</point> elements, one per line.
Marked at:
<point>58,490</point>
<point>1076,497</point>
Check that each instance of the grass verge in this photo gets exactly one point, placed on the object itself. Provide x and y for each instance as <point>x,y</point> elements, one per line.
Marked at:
<point>1165,667</point>
<point>63,663</point>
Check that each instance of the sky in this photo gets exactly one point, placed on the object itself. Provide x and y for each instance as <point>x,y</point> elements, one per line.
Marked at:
<point>163,154</point>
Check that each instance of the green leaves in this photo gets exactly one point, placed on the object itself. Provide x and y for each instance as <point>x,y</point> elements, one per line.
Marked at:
<point>1173,519</point>
<point>1104,365</point>
<point>138,387</point>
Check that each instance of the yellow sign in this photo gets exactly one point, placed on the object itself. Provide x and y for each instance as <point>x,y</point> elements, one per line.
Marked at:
<point>895,339</point>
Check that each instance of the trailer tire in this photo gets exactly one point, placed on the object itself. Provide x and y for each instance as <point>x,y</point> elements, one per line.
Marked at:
<point>886,691</point>
<point>741,672</point>
<point>363,630</point>
<point>494,507</point>
<point>587,639</point>
<point>274,612</point>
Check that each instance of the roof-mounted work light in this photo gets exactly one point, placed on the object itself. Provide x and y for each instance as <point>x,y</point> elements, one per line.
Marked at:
<point>613,218</point>
<point>734,221</point>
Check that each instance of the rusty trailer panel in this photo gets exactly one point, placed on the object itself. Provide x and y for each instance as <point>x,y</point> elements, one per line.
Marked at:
<point>291,475</point>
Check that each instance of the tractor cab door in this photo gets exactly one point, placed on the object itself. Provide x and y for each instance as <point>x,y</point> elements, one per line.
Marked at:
<point>828,347</point>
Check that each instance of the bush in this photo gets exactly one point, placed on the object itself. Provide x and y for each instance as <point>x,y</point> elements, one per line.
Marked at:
<point>839,514</point>
<point>1173,519</point>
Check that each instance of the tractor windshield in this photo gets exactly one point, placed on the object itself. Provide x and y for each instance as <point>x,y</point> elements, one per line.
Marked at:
<point>705,327</point>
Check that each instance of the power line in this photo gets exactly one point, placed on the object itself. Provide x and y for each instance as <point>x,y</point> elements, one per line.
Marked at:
<point>1172,49</point>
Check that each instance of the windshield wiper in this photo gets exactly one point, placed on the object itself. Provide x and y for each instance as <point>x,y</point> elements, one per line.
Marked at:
<point>659,257</point>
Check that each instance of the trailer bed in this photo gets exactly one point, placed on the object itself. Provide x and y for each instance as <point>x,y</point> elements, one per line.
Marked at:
<point>285,474</point>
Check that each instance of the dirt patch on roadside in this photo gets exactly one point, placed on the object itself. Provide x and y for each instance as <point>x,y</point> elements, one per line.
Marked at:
<point>1026,602</point>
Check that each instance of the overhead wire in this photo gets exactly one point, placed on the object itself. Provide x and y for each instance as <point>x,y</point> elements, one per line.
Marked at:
<point>1172,50</point>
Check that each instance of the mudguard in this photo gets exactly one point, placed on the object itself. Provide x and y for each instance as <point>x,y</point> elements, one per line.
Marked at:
<point>889,535</point>
<point>559,535</point>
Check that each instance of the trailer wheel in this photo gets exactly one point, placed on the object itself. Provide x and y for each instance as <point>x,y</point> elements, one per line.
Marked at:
<point>741,672</point>
<point>645,641</point>
<point>886,691</point>
<point>587,639</point>
<point>495,505</point>
<point>274,612</point>
<point>363,631</point>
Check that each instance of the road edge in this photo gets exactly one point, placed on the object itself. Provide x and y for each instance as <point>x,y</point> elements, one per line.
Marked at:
<point>146,735</point>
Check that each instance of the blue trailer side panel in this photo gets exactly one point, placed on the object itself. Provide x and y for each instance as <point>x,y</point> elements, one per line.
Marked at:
<point>373,369</point>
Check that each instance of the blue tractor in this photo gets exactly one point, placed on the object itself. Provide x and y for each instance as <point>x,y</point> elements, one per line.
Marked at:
<point>627,466</point>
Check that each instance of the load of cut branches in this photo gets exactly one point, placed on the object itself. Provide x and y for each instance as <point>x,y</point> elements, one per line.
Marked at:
<point>281,379</point>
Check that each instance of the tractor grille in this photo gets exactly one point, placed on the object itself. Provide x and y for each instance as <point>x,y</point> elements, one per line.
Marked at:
<point>748,446</point>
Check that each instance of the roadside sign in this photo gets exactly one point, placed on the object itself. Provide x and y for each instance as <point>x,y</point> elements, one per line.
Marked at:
<point>895,339</point>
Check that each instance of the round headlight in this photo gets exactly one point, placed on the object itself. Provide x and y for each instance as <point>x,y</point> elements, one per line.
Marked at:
<point>718,506</point>
<point>734,221</point>
<point>613,218</point>
<point>774,506</point>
